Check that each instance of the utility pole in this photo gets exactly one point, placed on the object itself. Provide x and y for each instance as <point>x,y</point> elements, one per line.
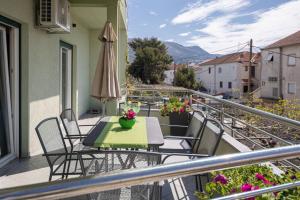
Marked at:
<point>250,66</point>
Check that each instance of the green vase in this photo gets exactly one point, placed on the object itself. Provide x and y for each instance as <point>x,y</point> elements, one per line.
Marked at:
<point>126,123</point>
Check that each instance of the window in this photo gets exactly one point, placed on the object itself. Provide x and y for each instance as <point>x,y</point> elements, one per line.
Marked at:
<point>253,71</point>
<point>270,57</point>
<point>263,83</point>
<point>292,60</point>
<point>221,84</point>
<point>246,68</point>
<point>229,85</point>
<point>272,79</point>
<point>209,70</point>
<point>275,92</point>
<point>220,70</point>
<point>292,88</point>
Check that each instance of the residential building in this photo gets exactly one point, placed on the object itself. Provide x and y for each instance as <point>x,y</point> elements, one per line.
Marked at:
<point>281,69</point>
<point>169,74</point>
<point>46,73</point>
<point>229,74</point>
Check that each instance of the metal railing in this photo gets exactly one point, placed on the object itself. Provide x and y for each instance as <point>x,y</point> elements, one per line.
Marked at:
<point>126,178</point>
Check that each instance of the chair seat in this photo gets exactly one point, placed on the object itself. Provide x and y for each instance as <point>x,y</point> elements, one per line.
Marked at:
<point>175,145</point>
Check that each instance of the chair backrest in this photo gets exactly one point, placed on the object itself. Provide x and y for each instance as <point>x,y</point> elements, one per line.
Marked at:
<point>51,138</point>
<point>197,122</point>
<point>209,138</point>
<point>70,124</point>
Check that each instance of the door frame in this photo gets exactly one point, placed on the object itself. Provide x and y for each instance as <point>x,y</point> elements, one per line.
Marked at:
<point>63,44</point>
<point>14,87</point>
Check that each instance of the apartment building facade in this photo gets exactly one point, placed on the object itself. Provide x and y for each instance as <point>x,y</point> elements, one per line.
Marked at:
<point>45,73</point>
<point>281,69</point>
<point>229,74</point>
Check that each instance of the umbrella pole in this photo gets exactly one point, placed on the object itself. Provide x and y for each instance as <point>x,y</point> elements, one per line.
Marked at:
<point>103,108</point>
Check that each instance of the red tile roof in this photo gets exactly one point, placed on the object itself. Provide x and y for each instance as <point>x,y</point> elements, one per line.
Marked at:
<point>289,40</point>
<point>232,58</point>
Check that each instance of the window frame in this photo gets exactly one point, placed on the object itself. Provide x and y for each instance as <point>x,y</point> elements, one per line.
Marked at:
<point>221,84</point>
<point>288,88</point>
<point>288,60</point>
<point>229,85</point>
<point>220,70</point>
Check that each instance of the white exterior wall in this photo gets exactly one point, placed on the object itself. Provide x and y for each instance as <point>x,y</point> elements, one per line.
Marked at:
<point>211,81</point>
<point>291,74</point>
<point>40,69</point>
<point>269,69</point>
<point>169,77</point>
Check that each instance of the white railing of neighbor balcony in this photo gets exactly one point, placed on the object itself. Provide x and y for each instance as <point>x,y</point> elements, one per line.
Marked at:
<point>92,184</point>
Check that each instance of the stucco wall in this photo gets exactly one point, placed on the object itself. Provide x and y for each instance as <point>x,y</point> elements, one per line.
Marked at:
<point>291,74</point>
<point>269,69</point>
<point>41,71</point>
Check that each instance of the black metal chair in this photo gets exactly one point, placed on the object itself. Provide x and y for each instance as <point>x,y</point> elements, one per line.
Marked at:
<point>181,144</point>
<point>55,149</point>
<point>205,145</point>
<point>73,133</point>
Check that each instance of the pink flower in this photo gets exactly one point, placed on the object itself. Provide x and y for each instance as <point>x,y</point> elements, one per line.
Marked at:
<point>263,179</point>
<point>130,114</point>
<point>181,110</point>
<point>248,187</point>
<point>221,179</point>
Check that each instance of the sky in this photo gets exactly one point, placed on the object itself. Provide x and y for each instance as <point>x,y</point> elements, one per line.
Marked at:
<point>217,26</point>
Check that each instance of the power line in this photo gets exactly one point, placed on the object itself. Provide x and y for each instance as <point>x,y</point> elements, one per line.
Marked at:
<point>233,54</point>
<point>276,52</point>
<point>227,48</point>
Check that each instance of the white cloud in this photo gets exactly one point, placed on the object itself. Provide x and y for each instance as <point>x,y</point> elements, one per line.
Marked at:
<point>184,34</point>
<point>170,40</point>
<point>153,13</point>
<point>162,25</point>
<point>269,26</point>
<point>200,10</point>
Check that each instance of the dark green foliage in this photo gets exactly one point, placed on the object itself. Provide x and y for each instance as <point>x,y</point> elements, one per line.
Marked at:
<point>185,77</point>
<point>151,60</point>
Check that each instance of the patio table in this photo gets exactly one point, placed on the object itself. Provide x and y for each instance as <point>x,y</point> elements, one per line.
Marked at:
<point>146,133</point>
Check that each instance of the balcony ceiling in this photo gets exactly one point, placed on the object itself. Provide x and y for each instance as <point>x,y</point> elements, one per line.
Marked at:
<point>90,17</point>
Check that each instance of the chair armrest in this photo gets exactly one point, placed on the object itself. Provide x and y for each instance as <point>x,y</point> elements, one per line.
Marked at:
<point>87,125</point>
<point>180,137</point>
<point>174,125</point>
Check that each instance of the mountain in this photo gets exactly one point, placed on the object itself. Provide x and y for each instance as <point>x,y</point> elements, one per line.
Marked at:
<point>182,54</point>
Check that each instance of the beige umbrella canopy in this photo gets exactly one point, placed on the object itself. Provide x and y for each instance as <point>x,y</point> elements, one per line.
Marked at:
<point>105,84</point>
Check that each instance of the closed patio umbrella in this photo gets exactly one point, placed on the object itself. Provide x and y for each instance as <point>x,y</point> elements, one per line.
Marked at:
<point>105,84</point>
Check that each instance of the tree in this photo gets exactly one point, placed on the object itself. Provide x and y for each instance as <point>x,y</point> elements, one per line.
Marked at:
<point>185,77</point>
<point>151,60</point>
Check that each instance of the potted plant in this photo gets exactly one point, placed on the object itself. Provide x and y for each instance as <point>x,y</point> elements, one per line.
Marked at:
<point>130,111</point>
<point>249,178</point>
<point>178,112</point>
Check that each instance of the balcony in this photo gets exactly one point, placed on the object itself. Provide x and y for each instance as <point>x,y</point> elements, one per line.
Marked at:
<point>243,143</point>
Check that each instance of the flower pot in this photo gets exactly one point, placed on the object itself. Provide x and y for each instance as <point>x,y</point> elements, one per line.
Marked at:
<point>177,118</point>
<point>126,123</point>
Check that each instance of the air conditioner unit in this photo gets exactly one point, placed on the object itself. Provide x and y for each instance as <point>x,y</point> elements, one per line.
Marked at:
<point>54,16</point>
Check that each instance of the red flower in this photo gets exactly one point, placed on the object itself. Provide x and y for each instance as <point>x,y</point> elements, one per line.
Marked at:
<point>181,110</point>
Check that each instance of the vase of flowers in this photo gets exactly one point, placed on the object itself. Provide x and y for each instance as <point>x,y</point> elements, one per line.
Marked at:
<point>128,118</point>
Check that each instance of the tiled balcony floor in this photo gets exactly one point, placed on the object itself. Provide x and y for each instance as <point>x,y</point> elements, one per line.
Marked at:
<point>35,170</point>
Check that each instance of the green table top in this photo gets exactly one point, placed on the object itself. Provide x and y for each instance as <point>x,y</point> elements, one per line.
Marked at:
<point>113,136</point>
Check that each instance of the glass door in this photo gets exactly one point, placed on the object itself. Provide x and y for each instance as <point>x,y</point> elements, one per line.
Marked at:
<point>66,52</point>
<point>6,132</point>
